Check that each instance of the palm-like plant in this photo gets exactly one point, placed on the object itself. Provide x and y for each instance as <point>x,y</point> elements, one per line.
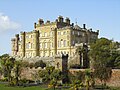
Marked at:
<point>76,85</point>
<point>17,70</point>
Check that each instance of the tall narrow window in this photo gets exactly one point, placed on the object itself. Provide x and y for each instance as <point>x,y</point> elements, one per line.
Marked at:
<point>64,43</point>
<point>45,45</point>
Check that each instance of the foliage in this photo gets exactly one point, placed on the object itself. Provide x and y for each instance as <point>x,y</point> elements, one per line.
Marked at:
<point>76,85</point>
<point>17,70</point>
<point>31,65</point>
<point>101,56</point>
<point>7,64</point>
<point>24,63</point>
<point>117,62</point>
<point>88,78</point>
<point>50,73</point>
<point>40,64</point>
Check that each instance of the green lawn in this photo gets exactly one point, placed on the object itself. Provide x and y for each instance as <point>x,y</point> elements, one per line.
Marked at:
<point>5,87</point>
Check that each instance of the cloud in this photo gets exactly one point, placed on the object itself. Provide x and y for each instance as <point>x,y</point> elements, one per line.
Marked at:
<point>7,24</point>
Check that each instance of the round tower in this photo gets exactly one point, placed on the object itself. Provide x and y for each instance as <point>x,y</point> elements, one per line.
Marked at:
<point>36,42</point>
<point>23,43</point>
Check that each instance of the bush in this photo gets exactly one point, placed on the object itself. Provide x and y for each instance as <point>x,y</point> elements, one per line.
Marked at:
<point>31,65</point>
<point>40,64</point>
<point>25,64</point>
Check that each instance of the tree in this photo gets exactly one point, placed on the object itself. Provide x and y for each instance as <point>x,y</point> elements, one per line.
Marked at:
<point>76,85</point>
<point>100,54</point>
<point>88,78</point>
<point>76,80</point>
<point>117,62</point>
<point>55,76</point>
<point>50,75</point>
<point>17,70</point>
<point>7,64</point>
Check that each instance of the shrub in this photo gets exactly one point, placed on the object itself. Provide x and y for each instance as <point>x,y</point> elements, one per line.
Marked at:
<point>40,64</point>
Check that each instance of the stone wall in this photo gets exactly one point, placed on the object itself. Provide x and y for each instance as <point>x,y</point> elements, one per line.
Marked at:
<point>114,80</point>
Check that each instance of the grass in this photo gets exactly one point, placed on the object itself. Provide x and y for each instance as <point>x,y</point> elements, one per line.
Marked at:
<point>5,87</point>
<point>41,87</point>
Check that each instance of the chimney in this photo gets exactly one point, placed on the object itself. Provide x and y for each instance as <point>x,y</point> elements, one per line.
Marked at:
<point>40,21</point>
<point>35,25</point>
<point>60,19</point>
<point>84,26</point>
<point>67,20</point>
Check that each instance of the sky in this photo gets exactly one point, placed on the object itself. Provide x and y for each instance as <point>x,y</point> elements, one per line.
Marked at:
<point>20,15</point>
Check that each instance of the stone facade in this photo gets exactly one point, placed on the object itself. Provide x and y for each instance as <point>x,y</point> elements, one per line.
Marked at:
<point>51,38</point>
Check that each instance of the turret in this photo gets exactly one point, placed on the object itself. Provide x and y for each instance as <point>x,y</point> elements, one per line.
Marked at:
<point>35,25</point>
<point>36,42</point>
<point>60,19</point>
<point>16,41</point>
<point>84,26</point>
<point>40,22</point>
<point>67,20</point>
<point>23,43</point>
<point>13,46</point>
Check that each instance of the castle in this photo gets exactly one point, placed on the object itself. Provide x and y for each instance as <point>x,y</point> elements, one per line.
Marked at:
<point>52,38</point>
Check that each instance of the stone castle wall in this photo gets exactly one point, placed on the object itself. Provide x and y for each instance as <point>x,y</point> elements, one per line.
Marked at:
<point>114,80</point>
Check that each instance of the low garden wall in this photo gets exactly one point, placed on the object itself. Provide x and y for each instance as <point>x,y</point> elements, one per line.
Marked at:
<point>114,80</point>
<point>30,74</point>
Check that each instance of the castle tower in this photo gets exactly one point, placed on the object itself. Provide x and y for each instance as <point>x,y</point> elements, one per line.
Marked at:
<point>36,42</point>
<point>23,43</point>
<point>13,46</point>
<point>16,42</point>
<point>67,20</point>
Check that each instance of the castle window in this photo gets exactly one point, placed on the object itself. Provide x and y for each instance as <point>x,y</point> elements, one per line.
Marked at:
<point>68,37</point>
<point>59,33</point>
<point>28,45</point>
<point>26,36</point>
<point>31,45</point>
<point>64,33</point>
<point>45,34</point>
<point>67,43</point>
<point>45,45</point>
<point>58,44</point>
<point>29,36</point>
<point>67,52</point>
<point>40,45</point>
<point>61,42</point>
<point>58,53</point>
<point>78,33</point>
<point>64,43</point>
<point>64,52</point>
